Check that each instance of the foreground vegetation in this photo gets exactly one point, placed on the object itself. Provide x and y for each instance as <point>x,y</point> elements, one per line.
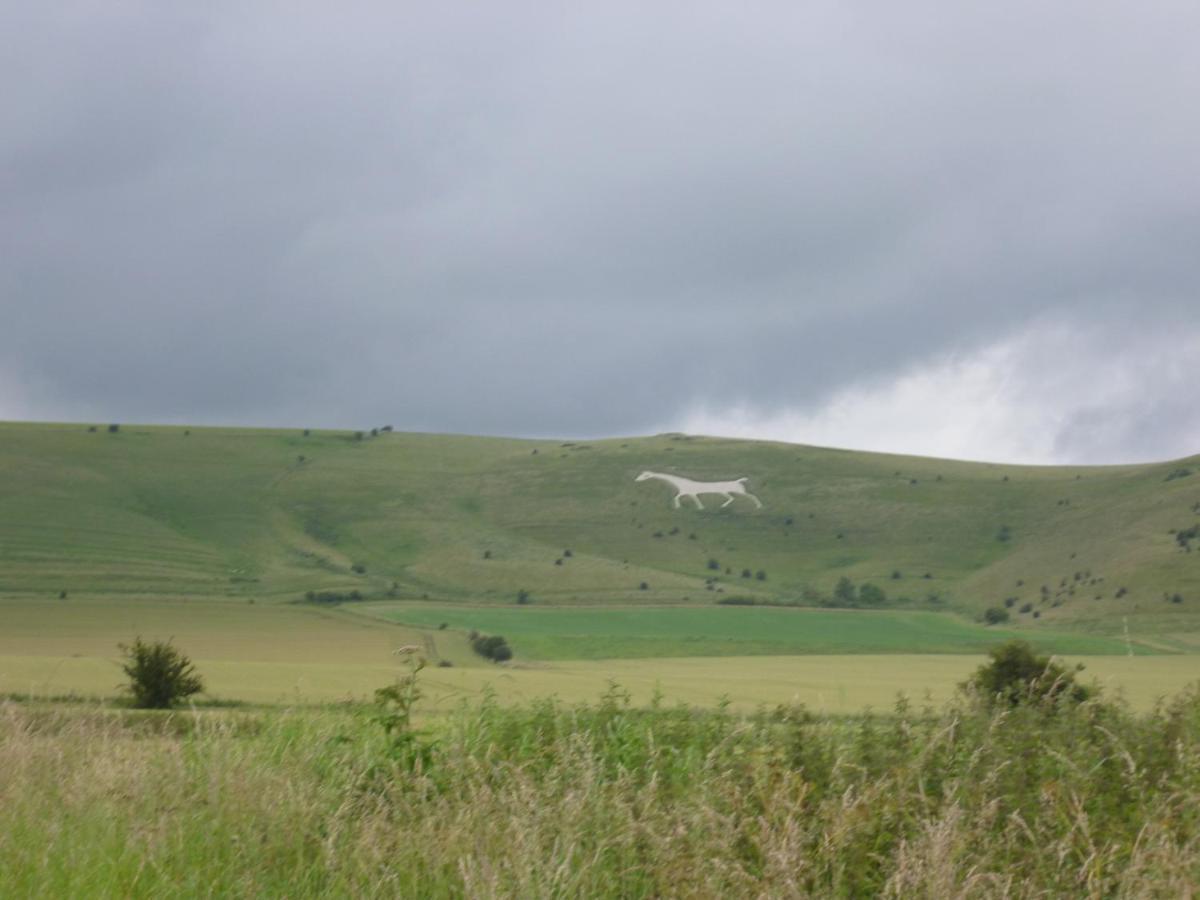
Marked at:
<point>602,799</point>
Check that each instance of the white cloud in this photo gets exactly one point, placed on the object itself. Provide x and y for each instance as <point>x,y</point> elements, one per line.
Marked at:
<point>1054,393</point>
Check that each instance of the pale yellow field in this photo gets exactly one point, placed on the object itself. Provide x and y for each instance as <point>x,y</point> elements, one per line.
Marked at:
<point>832,684</point>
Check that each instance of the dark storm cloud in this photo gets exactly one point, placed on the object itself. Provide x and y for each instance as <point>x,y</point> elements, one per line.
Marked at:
<point>587,220</point>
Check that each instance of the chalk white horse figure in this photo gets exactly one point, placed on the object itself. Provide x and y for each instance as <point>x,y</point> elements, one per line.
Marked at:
<point>685,487</point>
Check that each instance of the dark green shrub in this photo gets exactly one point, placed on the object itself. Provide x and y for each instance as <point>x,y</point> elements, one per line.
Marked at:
<point>994,615</point>
<point>644,586</point>
<point>159,675</point>
<point>871,595</point>
<point>714,565</point>
<point>522,596</point>
<point>844,593</point>
<point>491,646</point>
<point>113,429</point>
<point>761,575</point>
<point>1017,675</point>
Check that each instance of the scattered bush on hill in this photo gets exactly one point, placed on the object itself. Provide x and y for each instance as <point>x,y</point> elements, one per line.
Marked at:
<point>1184,536</point>
<point>522,596</point>
<point>871,595</point>
<point>714,564</point>
<point>1178,473</point>
<point>761,575</point>
<point>846,595</point>
<point>159,675</point>
<point>1017,675</point>
<point>113,429</point>
<point>333,597</point>
<point>994,615</point>
<point>491,646</point>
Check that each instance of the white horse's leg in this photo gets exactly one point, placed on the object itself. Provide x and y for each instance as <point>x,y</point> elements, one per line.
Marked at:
<point>757,502</point>
<point>728,500</point>
<point>696,497</point>
<point>677,496</point>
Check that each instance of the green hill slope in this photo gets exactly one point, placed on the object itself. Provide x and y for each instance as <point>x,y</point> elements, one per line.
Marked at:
<point>271,514</point>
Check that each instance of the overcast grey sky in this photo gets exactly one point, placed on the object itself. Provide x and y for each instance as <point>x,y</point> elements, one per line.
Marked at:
<point>957,229</point>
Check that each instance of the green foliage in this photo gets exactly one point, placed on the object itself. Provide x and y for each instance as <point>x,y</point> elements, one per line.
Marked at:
<point>332,598</point>
<point>870,595</point>
<point>159,675</point>
<point>845,593</point>
<point>1016,674</point>
<point>405,745</point>
<point>604,799</point>
<point>995,615</point>
<point>491,646</point>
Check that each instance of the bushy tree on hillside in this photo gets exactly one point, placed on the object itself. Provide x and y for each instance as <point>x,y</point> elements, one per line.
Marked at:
<point>159,675</point>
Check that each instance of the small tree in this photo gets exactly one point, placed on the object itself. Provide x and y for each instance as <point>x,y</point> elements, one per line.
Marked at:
<point>871,595</point>
<point>845,594</point>
<point>994,615</point>
<point>159,675</point>
<point>1016,674</point>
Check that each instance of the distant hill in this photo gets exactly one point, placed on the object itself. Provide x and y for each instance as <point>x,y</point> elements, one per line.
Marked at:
<point>274,514</point>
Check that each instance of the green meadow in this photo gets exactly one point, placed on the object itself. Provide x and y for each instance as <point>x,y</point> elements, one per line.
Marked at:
<point>558,633</point>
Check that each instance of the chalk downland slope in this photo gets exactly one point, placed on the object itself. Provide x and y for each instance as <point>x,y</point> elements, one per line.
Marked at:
<point>269,515</point>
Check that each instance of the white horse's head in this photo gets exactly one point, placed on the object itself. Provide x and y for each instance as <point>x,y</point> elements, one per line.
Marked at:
<point>644,476</point>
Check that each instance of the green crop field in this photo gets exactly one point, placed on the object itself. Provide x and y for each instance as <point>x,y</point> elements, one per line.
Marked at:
<point>559,633</point>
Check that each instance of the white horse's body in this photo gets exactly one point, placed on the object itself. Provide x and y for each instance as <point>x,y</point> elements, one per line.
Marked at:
<point>685,487</point>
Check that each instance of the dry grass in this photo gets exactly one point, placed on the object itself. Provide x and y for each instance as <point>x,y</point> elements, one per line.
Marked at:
<point>601,800</point>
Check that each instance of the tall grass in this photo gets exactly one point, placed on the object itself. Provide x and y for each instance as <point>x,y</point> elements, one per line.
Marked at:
<point>602,800</point>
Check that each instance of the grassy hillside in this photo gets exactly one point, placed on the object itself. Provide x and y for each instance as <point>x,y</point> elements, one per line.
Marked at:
<point>240,514</point>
